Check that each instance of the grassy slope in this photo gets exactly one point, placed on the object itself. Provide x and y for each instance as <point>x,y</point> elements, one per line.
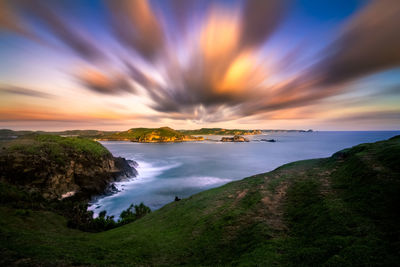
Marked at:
<point>338,211</point>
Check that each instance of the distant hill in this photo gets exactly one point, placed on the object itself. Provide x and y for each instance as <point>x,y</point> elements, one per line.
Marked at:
<point>7,133</point>
<point>83,133</point>
<point>151,135</point>
<point>338,211</point>
<point>147,135</point>
<point>220,131</point>
<point>287,131</point>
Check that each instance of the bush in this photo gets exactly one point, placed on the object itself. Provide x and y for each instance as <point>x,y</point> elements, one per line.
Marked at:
<point>128,215</point>
<point>82,219</point>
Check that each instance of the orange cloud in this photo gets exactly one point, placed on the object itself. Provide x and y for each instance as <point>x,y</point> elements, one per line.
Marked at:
<point>100,82</point>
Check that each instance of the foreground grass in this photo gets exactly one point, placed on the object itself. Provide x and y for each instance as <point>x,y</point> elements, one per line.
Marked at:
<point>338,211</point>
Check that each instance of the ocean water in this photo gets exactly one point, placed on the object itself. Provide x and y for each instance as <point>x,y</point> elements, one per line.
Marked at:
<point>183,169</point>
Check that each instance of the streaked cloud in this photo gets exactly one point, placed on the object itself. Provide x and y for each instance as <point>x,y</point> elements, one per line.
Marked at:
<point>47,13</point>
<point>370,116</point>
<point>15,90</point>
<point>136,25</point>
<point>104,83</point>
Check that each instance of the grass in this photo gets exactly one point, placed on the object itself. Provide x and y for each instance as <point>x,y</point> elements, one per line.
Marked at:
<point>55,147</point>
<point>340,211</point>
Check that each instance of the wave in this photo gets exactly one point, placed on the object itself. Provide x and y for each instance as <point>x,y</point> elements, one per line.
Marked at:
<point>199,181</point>
<point>147,172</point>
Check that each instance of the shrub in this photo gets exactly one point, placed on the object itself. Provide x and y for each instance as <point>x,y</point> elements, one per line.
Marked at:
<point>128,215</point>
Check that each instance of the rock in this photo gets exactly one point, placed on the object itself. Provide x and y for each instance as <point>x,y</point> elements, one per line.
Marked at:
<point>111,190</point>
<point>236,138</point>
<point>124,168</point>
<point>177,198</point>
<point>268,140</point>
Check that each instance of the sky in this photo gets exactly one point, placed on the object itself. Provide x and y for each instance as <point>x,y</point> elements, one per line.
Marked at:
<point>187,64</point>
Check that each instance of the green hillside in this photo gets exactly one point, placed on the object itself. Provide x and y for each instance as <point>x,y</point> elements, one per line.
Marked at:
<point>148,135</point>
<point>338,211</point>
<point>220,131</point>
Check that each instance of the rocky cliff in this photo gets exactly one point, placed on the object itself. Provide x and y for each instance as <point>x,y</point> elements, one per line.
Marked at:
<point>59,167</point>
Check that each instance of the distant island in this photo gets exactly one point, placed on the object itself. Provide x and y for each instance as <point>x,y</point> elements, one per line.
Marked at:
<point>236,138</point>
<point>150,135</point>
<point>220,131</point>
<point>286,131</point>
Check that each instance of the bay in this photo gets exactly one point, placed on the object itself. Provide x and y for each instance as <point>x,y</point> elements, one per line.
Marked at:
<point>167,170</point>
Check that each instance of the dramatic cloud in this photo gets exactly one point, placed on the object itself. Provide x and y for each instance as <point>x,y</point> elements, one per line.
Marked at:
<point>368,43</point>
<point>223,78</point>
<point>220,67</point>
<point>203,60</point>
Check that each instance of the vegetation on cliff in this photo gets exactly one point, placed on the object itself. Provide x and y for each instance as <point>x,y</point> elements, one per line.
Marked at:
<point>220,131</point>
<point>151,135</point>
<point>338,211</point>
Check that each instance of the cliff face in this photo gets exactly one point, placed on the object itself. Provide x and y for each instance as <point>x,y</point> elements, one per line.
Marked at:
<point>58,169</point>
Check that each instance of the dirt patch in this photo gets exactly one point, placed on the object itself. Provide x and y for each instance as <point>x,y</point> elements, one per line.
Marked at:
<point>325,179</point>
<point>267,201</point>
<point>273,203</point>
<point>242,194</point>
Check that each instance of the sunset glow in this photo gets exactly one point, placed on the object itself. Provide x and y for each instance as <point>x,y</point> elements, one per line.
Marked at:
<point>261,64</point>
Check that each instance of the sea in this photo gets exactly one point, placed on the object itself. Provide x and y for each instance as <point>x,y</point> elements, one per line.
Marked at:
<point>167,170</point>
